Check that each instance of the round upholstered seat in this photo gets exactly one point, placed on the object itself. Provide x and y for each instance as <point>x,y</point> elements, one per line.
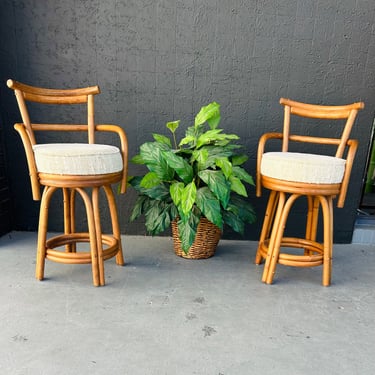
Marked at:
<point>300,167</point>
<point>77,158</point>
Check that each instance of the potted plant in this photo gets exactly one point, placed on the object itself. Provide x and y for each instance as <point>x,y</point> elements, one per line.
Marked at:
<point>192,184</point>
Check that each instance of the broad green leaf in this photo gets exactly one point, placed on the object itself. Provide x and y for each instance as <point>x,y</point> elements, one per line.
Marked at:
<point>213,153</point>
<point>150,180</point>
<point>234,222</point>
<point>172,211</point>
<point>160,192</point>
<point>162,139</point>
<point>137,159</point>
<point>243,175</point>
<point>237,186</point>
<point>176,190</point>
<point>183,169</point>
<point>218,184</point>
<point>187,140</point>
<point>187,230</point>
<point>173,125</point>
<point>138,207</point>
<point>191,131</point>
<point>209,113</point>
<point>209,137</point>
<point>151,153</point>
<point>209,205</point>
<point>225,165</point>
<point>242,208</point>
<point>188,196</point>
<point>157,218</point>
<point>239,159</point>
<point>200,156</point>
<point>215,136</point>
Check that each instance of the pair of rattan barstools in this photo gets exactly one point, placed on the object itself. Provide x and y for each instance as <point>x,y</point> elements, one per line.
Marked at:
<point>86,168</point>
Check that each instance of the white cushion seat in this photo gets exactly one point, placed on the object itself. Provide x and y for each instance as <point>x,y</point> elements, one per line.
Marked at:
<point>305,168</point>
<point>77,158</point>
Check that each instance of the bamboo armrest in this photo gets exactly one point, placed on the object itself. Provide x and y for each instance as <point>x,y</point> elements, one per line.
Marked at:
<point>352,149</point>
<point>124,149</point>
<point>33,173</point>
<point>261,146</point>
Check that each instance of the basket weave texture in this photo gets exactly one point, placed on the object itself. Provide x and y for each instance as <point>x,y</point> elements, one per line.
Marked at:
<point>204,245</point>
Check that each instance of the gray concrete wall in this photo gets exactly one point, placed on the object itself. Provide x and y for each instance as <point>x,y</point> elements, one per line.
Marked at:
<point>6,222</point>
<point>157,61</point>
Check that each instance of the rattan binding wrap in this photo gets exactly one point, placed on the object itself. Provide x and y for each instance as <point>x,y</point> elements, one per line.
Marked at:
<point>204,246</point>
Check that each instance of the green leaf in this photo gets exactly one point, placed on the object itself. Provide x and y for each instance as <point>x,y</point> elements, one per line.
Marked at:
<point>162,139</point>
<point>200,156</point>
<point>243,175</point>
<point>157,218</point>
<point>151,153</point>
<point>214,136</point>
<point>187,230</point>
<point>188,196</point>
<point>138,207</point>
<point>209,137</point>
<point>242,208</point>
<point>239,212</point>
<point>173,125</point>
<point>209,205</point>
<point>213,153</point>
<point>183,169</point>
<point>176,190</point>
<point>225,165</point>
<point>187,140</point>
<point>137,159</point>
<point>209,113</point>
<point>239,159</point>
<point>218,184</point>
<point>234,221</point>
<point>237,186</point>
<point>150,180</point>
<point>160,192</point>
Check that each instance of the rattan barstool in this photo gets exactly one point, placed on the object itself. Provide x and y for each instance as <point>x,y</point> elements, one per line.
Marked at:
<point>77,169</point>
<point>292,175</point>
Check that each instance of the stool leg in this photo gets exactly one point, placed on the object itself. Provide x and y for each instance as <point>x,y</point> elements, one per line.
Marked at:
<point>278,232</point>
<point>42,231</point>
<point>73,216</point>
<point>98,230</point>
<point>115,223</point>
<point>92,235</point>
<point>271,244</point>
<point>327,207</point>
<point>267,224</point>
<point>312,219</point>
<point>69,220</point>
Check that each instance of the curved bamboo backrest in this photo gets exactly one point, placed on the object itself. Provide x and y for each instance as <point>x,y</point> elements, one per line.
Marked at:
<point>316,111</point>
<point>26,93</point>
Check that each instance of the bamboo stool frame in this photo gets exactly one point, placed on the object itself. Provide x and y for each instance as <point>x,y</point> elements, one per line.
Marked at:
<point>102,246</point>
<point>319,196</point>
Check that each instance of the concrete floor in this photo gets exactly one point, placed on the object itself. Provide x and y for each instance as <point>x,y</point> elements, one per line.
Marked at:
<point>161,314</point>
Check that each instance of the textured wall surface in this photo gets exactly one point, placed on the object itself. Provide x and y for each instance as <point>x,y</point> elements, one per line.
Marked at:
<point>5,200</point>
<point>158,61</point>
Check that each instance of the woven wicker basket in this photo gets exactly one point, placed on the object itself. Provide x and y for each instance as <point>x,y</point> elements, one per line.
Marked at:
<point>206,240</point>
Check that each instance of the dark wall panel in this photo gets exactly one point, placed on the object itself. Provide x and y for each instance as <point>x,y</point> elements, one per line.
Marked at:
<point>162,60</point>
